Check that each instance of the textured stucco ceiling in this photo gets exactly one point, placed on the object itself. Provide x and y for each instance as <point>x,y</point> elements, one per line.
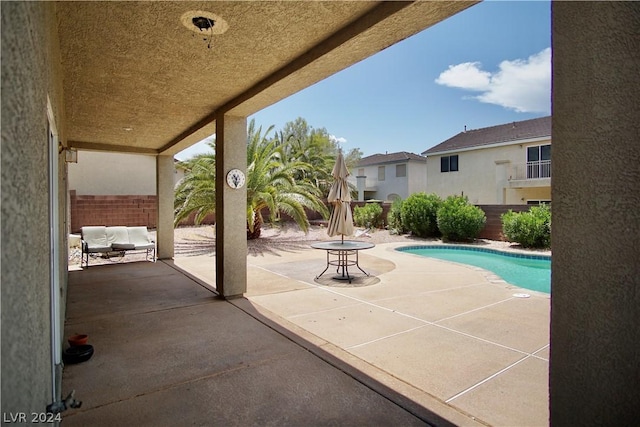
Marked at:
<point>135,79</point>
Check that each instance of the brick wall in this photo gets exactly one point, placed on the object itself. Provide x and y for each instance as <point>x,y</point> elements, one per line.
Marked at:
<point>142,210</point>
<point>209,219</point>
<point>112,210</point>
<point>119,210</point>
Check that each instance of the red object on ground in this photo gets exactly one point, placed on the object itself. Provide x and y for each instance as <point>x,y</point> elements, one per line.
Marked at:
<point>76,340</point>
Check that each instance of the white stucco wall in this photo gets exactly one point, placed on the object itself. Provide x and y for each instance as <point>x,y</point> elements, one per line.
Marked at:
<point>417,172</point>
<point>392,184</point>
<point>414,181</point>
<point>523,195</point>
<point>118,174</point>
<point>479,176</point>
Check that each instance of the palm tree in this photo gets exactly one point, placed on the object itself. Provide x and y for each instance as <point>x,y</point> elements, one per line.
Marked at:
<point>271,184</point>
<point>312,146</point>
<point>196,192</point>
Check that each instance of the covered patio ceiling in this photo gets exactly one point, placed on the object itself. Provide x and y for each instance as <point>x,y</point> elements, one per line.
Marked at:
<point>138,78</point>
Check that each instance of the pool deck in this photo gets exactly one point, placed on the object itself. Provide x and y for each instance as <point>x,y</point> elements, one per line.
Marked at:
<point>453,339</point>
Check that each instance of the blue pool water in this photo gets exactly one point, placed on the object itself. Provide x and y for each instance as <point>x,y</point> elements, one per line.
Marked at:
<point>527,271</point>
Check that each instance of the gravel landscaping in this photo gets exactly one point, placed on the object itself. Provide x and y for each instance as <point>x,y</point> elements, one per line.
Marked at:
<point>200,240</point>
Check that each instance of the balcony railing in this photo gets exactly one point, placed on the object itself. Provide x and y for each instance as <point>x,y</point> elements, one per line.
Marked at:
<point>530,170</point>
<point>539,169</point>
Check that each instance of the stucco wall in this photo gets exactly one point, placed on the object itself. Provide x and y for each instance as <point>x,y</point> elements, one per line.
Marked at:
<point>415,181</point>
<point>29,74</point>
<point>392,184</point>
<point>112,174</point>
<point>477,175</point>
<point>417,172</point>
<point>595,285</point>
<point>517,196</point>
<point>371,174</point>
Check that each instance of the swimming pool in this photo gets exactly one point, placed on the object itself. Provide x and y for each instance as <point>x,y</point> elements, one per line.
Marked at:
<point>527,271</point>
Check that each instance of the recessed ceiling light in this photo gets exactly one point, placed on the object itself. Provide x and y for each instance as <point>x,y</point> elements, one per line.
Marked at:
<point>203,22</point>
<point>127,128</point>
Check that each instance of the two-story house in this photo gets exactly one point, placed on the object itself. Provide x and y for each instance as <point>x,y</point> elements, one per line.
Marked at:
<point>390,176</point>
<point>504,164</point>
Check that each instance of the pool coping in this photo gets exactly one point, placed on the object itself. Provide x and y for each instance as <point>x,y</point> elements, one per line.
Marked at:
<point>476,249</point>
<point>491,276</point>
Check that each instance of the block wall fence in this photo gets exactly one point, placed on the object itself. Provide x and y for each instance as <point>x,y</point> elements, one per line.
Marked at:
<point>118,210</point>
<point>492,229</point>
<point>142,211</point>
<point>112,210</point>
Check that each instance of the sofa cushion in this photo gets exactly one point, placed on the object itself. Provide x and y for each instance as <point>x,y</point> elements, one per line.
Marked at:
<point>118,238</point>
<point>139,236</point>
<point>96,238</point>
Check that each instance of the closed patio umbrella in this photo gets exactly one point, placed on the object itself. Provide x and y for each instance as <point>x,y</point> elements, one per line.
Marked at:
<point>341,220</point>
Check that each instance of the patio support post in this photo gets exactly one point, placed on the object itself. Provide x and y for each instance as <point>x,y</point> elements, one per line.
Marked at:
<point>231,205</point>
<point>362,184</point>
<point>595,302</point>
<point>164,184</point>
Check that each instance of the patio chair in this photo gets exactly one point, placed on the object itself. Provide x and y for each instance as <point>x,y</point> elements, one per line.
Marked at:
<point>140,238</point>
<point>94,240</point>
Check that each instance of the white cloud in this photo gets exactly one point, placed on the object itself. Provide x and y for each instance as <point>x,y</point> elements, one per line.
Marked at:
<point>521,85</point>
<point>465,76</point>
<point>339,140</point>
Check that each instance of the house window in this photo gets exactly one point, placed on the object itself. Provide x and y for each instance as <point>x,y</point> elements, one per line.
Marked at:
<point>380,173</point>
<point>539,161</point>
<point>361,172</point>
<point>401,171</point>
<point>538,202</point>
<point>449,163</point>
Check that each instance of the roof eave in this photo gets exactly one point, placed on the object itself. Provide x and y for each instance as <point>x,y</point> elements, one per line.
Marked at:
<point>491,145</point>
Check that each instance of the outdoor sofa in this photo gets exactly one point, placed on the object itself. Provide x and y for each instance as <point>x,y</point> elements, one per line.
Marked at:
<point>102,239</point>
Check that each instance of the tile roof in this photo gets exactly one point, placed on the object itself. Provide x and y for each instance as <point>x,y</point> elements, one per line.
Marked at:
<point>514,131</point>
<point>401,156</point>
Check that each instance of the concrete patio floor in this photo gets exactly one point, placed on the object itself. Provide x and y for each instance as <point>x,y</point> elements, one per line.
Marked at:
<point>419,342</point>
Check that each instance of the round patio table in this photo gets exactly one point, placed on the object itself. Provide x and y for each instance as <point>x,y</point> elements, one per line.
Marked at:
<point>342,254</point>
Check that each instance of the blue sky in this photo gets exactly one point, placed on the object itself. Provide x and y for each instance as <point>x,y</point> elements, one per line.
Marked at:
<point>487,65</point>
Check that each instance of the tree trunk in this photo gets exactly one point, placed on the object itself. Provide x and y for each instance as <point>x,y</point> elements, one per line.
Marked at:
<point>257,228</point>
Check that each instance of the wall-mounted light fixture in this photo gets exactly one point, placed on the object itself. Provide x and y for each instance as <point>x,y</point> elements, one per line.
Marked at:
<point>71,155</point>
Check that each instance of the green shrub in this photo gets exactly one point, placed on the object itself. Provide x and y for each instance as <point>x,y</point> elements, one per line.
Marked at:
<point>369,215</point>
<point>458,220</point>
<point>394,217</point>
<point>531,229</point>
<point>419,212</point>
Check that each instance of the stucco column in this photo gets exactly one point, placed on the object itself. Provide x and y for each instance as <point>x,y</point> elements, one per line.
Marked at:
<point>361,182</point>
<point>231,205</point>
<point>595,297</point>
<point>164,185</point>
<point>501,180</point>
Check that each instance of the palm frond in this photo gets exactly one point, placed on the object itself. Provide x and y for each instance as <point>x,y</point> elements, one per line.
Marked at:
<point>284,175</point>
